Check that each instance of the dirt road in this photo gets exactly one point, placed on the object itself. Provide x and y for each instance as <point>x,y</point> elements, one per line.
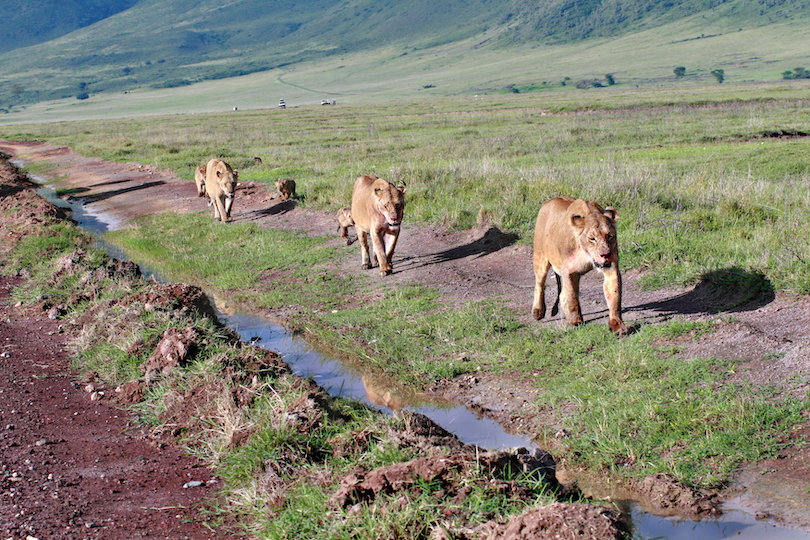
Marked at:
<point>771,335</point>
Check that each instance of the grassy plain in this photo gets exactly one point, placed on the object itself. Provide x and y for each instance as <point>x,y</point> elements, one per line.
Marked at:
<point>699,184</point>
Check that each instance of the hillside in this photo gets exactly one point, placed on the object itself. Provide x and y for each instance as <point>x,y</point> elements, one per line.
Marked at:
<point>158,44</point>
<point>28,22</point>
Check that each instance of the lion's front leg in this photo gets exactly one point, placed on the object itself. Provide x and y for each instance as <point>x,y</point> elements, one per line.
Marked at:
<point>365,260</point>
<point>390,244</point>
<point>541,268</point>
<point>569,299</point>
<point>613,296</point>
<point>379,251</point>
<point>219,209</point>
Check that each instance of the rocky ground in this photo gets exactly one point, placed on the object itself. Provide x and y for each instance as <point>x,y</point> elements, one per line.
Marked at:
<point>770,334</point>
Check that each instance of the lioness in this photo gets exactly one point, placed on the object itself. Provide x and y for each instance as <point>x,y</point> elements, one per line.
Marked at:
<point>199,179</point>
<point>220,185</point>
<point>377,209</point>
<point>344,218</point>
<point>573,237</point>
<point>286,187</point>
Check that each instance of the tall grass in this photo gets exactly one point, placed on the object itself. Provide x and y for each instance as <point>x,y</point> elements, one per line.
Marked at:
<point>696,184</point>
<point>697,187</point>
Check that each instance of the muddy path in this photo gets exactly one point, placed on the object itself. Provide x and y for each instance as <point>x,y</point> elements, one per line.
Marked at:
<point>771,336</point>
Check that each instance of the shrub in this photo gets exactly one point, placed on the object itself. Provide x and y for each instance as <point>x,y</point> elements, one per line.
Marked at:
<point>679,71</point>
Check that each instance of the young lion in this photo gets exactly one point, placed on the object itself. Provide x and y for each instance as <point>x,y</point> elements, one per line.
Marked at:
<point>220,186</point>
<point>344,218</point>
<point>574,237</point>
<point>286,187</point>
<point>199,179</point>
<point>377,210</point>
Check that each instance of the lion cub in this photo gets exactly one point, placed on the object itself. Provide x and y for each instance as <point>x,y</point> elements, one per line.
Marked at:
<point>574,236</point>
<point>286,187</point>
<point>199,179</point>
<point>344,218</point>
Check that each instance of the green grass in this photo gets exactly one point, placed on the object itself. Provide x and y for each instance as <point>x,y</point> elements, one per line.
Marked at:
<point>702,198</point>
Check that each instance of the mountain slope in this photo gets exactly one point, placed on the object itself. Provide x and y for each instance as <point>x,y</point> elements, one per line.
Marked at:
<point>28,22</point>
<point>162,44</point>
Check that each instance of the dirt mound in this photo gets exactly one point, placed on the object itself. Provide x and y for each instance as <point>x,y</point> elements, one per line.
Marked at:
<point>560,522</point>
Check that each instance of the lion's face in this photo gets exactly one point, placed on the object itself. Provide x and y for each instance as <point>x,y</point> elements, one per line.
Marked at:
<point>227,180</point>
<point>596,233</point>
<point>390,201</point>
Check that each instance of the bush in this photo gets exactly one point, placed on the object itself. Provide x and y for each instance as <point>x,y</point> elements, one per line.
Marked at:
<point>83,95</point>
<point>719,75</point>
<point>797,73</point>
<point>679,71</point>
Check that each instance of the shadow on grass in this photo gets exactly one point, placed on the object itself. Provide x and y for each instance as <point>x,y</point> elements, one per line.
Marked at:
<point>726,290</point>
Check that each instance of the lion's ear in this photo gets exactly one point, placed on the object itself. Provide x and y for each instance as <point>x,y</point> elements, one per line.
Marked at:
<point>577,221</point>
<point>611,213</point>
<point>403,188</point>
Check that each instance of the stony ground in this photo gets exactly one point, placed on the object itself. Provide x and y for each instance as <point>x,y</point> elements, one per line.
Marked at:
<point>771,335</point>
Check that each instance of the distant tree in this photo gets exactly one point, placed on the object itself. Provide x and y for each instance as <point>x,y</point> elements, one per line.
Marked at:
<point>797,73</point>
<point>679,71</point>
<point>84,95</point>
<point>719,75</point>
<point>610,80</point>
<point>127,70</point>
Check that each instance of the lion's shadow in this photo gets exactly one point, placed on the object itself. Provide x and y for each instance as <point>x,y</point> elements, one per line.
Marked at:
<point>275,210</point>
<point>87,199</point>
<point>725,290</point>
<point>493,240</point>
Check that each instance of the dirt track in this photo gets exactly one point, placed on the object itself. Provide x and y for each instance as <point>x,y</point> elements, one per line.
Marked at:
<point>486,263</point>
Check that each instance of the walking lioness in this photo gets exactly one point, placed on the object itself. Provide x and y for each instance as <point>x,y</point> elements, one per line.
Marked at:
<point>220,186</point>
<point>575,236</point>
<point>377,210</point>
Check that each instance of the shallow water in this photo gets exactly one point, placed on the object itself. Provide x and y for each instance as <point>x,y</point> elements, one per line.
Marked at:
<point>340,380</point>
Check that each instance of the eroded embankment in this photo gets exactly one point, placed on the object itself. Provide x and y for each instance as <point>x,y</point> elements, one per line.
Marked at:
<point>158,349</point>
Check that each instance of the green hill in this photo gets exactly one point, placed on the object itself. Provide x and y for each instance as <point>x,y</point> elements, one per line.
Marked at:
<point>162,44</point>
<point>28,22</point>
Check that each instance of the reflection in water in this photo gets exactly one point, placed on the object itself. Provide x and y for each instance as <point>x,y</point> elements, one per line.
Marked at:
<point>338,379</point>
<point>732,524</point>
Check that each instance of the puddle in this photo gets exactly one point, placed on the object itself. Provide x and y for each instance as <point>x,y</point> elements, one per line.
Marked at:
<point>340,380</point>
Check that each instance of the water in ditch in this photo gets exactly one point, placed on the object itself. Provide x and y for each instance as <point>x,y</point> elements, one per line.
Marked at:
<point>341,380</point>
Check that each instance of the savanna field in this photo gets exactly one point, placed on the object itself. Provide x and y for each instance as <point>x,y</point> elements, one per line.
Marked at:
<point>707,181</point>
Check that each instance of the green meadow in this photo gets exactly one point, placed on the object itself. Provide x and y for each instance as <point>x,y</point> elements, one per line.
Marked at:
<point>700,186</point>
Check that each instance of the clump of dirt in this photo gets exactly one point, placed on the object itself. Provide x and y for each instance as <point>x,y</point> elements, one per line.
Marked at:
<point>663,494</point>
<point>175,349</point>
<point>451,471</point>
<point>558,521</point>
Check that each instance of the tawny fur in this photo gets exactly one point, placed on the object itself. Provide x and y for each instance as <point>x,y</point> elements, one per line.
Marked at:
<point>220,186</point>
<point>344,218</point>
<point>286,187</point>
<point>199,179</point>
<point>574,236</point>
<point>377,210</point>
